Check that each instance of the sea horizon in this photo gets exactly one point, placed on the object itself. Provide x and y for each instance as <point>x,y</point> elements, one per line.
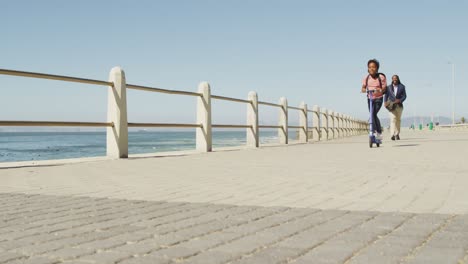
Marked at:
<point>51,145</point>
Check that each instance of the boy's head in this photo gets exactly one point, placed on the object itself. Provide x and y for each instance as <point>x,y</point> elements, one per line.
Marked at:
<point>373,67</point>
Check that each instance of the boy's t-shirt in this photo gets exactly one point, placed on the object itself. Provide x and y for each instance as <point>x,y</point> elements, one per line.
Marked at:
<point>373,84</point>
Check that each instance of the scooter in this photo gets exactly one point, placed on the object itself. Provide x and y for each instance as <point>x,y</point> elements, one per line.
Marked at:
<point>372,132</point>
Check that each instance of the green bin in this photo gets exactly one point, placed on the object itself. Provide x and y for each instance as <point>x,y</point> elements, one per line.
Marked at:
<point>420,126</point>
<point>431,126</point>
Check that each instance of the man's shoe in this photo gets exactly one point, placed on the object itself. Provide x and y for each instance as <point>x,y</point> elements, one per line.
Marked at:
<point>397,137</point>
<point>393,137</point>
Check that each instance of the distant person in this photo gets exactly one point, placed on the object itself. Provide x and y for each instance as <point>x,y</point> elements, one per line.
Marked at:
<point>376,83</point>
<point>395,96</point>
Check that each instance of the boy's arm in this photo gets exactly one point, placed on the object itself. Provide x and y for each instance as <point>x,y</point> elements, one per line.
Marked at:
<point>364,85</point>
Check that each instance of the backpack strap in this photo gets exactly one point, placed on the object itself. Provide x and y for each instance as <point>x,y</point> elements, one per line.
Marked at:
<point>380,80</point>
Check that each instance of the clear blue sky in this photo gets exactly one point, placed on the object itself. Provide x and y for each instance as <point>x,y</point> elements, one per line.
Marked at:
<point>312,51</point>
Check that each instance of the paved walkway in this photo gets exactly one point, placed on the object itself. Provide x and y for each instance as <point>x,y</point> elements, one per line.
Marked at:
<point>314,203</point>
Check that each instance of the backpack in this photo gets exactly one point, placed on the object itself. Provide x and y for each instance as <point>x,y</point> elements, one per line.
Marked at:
<point>380,80</point>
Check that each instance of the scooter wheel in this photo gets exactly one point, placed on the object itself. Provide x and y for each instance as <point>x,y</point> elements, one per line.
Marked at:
<point>378,145</point>
<point>370,143</point>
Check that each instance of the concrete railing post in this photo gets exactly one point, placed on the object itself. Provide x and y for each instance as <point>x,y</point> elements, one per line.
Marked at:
<point>117,136</point>
<point>333,123</point>
<point>350,123</point>
<point>252,121</point>
<point>356,127</point>
<point>350,126</point>
<point>337,125</point>
<point>343,120</point>
<point>204,133</point>
<point>340,125</point>
<point>326,127</point>
<point>303,133</point>
<point>347,126</point>
<point>343,125</point>
<point>283,121</point>
<point>316,123</point>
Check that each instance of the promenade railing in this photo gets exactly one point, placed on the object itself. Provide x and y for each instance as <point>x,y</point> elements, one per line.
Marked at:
<point>326,124</point>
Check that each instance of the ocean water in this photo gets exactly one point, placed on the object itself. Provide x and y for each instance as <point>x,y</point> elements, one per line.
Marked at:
<point>27,146</point>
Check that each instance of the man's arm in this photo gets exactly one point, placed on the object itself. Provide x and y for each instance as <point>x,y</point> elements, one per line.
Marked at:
<point>403,93</point>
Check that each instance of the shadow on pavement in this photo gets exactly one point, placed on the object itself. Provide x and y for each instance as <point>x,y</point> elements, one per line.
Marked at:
<point>407,145</point>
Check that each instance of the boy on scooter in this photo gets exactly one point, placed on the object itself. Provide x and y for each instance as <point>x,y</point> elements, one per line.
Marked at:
<point>376,84</point>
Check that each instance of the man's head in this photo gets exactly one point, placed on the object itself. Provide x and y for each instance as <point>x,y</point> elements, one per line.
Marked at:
<point>395,79</point>
<point>373,67</point>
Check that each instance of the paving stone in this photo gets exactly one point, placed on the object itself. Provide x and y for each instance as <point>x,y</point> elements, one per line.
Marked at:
<point>106,257</point>
<point>71,253</point>
<point>9,256</point>
<point>35,260</point>
<point>146,260</point>
<point>114,230</point>
<point>268,255</point>
<point>437,255</point>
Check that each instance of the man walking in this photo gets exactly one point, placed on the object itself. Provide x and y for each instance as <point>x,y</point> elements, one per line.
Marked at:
<point>396,95</point>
